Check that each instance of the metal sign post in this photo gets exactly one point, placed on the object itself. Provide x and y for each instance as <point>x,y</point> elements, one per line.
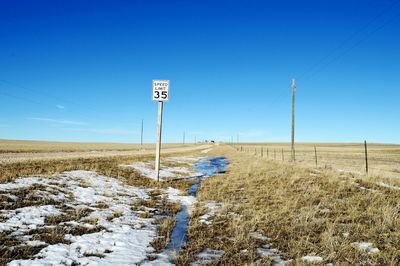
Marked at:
<point>160,94</point>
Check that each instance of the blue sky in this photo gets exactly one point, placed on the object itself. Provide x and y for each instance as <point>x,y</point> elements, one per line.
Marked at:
<point>82,70</point>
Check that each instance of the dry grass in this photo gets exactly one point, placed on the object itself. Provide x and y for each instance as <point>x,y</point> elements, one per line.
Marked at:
<point>164,231</point>
<point>53,233</point>
<point>20,151</point>
<point>304,211</point>
<point>18,251</point>
<point>383,159</point>
<point>56,228</point>
<point>109,166</point>
<point>16,146</point>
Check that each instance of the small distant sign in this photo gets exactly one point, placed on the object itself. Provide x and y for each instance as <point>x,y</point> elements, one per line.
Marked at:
<point>160,90</point>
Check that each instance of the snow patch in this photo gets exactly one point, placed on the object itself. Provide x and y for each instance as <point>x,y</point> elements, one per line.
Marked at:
<point>22,220</point>
<point>213,208</point>
<point>272,253</point>
<point>388,186</point>
<point>146,169</point>
<point>208,256</point>
<point>259,236</point>
<point>123,240</point>
<point>206,151</point>
<point>366,247</point>
<point>174,194</point>
<point>312,259</point>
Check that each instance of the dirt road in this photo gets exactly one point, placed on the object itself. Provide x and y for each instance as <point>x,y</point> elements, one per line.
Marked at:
<point>21,157</point>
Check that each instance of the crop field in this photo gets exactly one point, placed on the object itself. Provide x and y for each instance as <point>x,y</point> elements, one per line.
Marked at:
<point>257,210</point>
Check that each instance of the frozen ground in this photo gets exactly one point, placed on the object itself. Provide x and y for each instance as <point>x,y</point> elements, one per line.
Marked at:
<point>366,247</point>
<point>95,216</point>
<point>173,168</point>
<point>212,207</point>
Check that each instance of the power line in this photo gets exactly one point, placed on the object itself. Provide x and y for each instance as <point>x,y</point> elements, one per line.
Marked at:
<point>44,95</point>
<point>358,43</point>
<point>348,39</point>
<point>24,99</point>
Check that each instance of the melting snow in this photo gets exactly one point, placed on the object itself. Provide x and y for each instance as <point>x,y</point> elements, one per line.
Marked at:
<point>206,151</point>
<point>272,253</point>
<point>367,247</point>
<point>121,240</point>
<point>208,256</point>
<point>146,169</point>
<point>312,258</point>
<point>259,236</point>
<point>22,220</point>
<point>388,186</point>
<point>213,207</point>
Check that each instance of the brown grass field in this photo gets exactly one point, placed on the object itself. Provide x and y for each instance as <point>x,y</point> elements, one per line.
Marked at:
<point>301,208</point>
<point>383,159</point>
<point>16,146</point>
<point>21,151</point>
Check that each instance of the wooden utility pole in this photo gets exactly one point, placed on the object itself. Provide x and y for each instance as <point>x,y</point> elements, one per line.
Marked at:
<point>183,140</point>
<point>141,137</point>
<point>366,156</point>
<point>293,112</point>
<point>316,157</point>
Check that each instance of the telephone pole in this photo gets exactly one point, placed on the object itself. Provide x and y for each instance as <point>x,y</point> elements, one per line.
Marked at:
<point>293,112</point>
<point>141,137</point>
<point>184,133</point>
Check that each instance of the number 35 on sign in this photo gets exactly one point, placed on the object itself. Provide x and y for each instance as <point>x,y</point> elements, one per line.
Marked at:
<point>160,90</point>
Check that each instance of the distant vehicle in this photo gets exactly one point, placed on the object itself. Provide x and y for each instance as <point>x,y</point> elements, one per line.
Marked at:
<point>212,141</point>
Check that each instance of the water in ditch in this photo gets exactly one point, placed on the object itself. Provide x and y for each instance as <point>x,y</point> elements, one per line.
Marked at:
<point>208,167</point>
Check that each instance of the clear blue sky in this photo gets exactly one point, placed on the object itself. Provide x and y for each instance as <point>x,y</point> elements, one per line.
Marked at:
<point>82,70</point>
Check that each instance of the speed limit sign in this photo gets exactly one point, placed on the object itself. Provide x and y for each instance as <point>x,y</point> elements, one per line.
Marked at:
<point>160,90</point>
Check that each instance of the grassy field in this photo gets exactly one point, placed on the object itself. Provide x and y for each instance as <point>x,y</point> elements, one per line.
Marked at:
<point>267,203</point>
<point>297,210</point>
<point>383,159</point>
<point>15,146</point>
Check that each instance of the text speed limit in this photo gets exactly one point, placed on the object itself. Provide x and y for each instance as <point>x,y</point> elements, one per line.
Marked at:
<point>160,90</point>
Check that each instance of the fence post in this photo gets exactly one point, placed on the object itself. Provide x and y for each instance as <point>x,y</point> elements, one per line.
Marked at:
<point>366,156</point>
<point>274,154</point>
<point>267,153</point>
<point>316,157</point>
<point>283,157</point>
<point>262,151</point>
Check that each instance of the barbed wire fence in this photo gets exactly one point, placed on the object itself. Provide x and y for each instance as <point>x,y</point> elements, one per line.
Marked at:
<point>358,158</point>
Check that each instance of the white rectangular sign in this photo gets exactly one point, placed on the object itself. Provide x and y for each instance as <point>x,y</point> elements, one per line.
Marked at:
<point>160,90</point>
